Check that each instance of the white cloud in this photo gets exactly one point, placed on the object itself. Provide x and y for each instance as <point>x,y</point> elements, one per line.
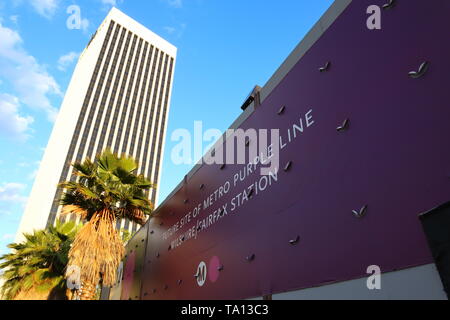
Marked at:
<point>66,60</point>
<point>170,30</point>
<point>23,164</point>
<point>10,194</point>
<point>84,25</point>
<point>34,173</point>
<point>45,8</point>
<point>177,31</point>
<point>110,2</point>
<point>7,237</point>
<point>29,79</point>
<point>14,19</point>
<point>175,3</point>
<point>12,124</point>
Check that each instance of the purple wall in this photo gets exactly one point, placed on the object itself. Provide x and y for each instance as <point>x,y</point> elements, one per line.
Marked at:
<point>394,158</point>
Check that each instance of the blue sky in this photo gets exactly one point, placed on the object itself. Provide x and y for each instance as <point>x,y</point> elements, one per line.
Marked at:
<point>224,49</point>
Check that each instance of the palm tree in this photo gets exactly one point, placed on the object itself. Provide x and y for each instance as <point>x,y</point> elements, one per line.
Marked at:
<point>126,236</point>
<point>105,190</point>
<point>35,268</point>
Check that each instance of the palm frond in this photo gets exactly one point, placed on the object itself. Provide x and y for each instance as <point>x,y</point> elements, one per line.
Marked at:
<point>105,190</point>
<point>38,261</point>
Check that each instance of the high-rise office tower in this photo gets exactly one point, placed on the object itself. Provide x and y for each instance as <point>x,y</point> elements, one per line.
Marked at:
<point>118,97</point>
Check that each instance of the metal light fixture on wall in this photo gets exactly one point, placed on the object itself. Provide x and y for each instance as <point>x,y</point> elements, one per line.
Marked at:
<point>251,192</point>
<point>344,126</point>
<point>250,258</point>
<point>326,67</point>
<point>295,241</point>
<point>389,5</point>
<point>288,166</point>
<point>423,68</point>
<point>361,213</point>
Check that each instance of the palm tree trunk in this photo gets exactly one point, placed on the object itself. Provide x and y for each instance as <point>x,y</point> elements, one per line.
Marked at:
<point>88,291</point>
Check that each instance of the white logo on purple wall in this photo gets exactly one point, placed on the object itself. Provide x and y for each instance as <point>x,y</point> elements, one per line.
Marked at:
<point>211,272</point>
<point>202,272</point>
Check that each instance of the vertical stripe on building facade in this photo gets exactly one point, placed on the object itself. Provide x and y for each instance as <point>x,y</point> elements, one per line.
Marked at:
<point>124,108</point>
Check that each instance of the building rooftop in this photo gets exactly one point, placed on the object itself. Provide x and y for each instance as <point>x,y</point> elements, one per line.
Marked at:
<point>139,29</point>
